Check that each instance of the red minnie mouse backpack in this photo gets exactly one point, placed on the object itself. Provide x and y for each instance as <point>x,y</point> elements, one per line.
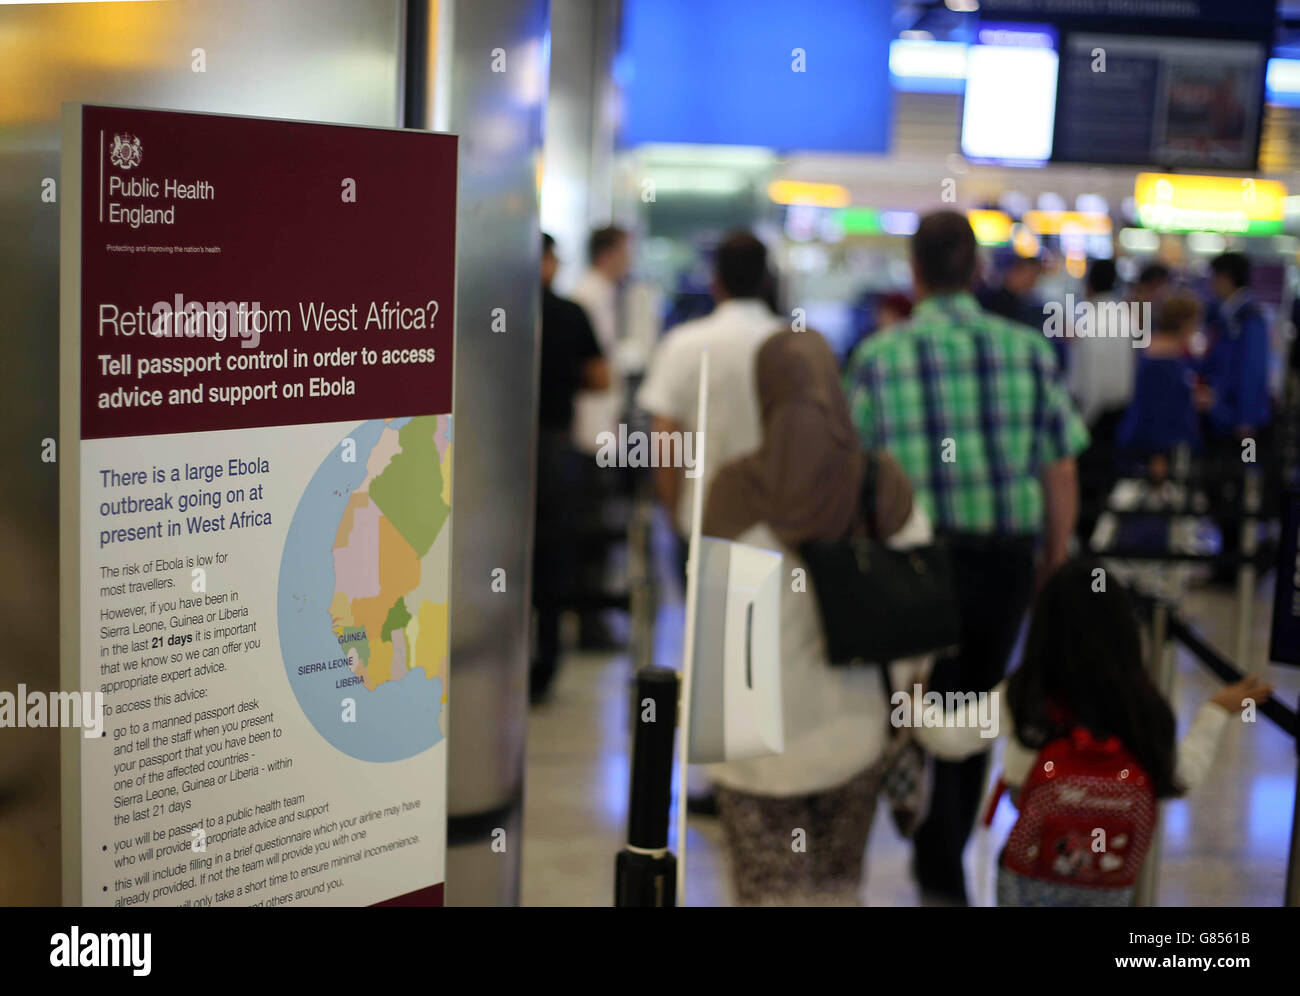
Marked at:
<point>1087,813</point>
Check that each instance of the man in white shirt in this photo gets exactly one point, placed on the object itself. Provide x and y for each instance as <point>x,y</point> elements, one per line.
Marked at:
<point>597,411</point>
<point>732,333</point>
<point>1102,367</point>
<point>610,255</point>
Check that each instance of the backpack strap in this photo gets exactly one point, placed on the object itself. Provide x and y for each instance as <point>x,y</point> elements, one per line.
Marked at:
<point>995,797</point>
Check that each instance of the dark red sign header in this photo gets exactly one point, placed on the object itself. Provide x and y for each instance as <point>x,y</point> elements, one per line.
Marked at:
<point>243,272</point>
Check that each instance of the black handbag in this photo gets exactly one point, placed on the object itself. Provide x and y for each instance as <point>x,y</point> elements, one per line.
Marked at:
<point>878,604</point>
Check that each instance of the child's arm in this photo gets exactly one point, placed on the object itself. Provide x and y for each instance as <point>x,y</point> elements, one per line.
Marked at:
<point>1199,744</point>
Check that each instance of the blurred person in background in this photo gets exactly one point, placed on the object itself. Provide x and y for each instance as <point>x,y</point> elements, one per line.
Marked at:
<point>1013,295</point>
<point>892,309</point>
<point>803,483</point>
<point>1233,395</point>
<point>609,254</point>
<point>975,412</point>
<point>1162,415</point>
<point>1152,279</point>
<point>1100,380</point>
<point>873,313</point>
<point>1083,678</point>
<point>732,334</point>
<point>570,361</point>
<point>1014,299</point>
<point>741,287</point>
<point>599,292</point>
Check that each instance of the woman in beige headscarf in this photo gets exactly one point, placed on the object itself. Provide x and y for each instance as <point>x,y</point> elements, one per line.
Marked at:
<point>804,480</point>
<point>803,483</point>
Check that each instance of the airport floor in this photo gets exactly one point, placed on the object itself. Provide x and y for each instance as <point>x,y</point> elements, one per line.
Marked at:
<point>1224,845</point>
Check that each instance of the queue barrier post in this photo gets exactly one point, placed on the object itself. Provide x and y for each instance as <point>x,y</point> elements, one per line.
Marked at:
<point>645,872</point>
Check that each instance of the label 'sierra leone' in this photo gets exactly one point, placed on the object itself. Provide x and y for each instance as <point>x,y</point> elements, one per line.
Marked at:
<point>256,453</point>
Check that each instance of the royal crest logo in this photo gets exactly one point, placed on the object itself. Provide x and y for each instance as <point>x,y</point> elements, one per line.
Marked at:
<point>126,153</point>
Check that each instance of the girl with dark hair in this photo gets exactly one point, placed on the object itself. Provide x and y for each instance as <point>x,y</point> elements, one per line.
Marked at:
<point>1081,685</point>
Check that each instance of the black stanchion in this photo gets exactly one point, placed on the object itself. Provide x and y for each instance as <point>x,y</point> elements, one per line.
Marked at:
<point>1285,719</point>
<point>645,873</point>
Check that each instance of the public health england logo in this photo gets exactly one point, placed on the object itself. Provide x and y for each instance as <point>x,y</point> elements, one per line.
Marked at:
<point>126,152</point>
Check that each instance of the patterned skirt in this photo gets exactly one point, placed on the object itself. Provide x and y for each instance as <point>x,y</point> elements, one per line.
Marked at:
<point>800,850</point>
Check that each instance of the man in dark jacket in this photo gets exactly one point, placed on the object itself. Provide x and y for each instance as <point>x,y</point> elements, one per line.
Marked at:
<point>571,361</point>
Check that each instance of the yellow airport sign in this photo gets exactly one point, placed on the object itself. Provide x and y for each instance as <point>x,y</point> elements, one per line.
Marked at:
<point>830,195</point>
<point>992,228</point>
<point>1173,202</point>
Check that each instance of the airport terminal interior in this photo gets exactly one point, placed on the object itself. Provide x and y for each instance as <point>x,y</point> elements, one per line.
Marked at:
<point>650,452</point>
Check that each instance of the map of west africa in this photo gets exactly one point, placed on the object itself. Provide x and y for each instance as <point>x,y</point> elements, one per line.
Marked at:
<point>363,593</point>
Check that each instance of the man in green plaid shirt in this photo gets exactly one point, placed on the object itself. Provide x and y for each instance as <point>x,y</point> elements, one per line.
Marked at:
<point>973,407</point>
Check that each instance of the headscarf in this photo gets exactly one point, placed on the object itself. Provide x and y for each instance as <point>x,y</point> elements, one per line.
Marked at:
<point>804,480</point>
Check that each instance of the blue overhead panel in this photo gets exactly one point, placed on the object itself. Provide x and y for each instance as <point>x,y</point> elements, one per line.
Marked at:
<point>787,76</point>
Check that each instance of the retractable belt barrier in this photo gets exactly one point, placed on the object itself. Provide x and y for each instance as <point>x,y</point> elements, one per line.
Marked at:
<point>1166,622</point>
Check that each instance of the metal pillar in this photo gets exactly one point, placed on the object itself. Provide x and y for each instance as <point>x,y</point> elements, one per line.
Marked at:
<point>498,116</point>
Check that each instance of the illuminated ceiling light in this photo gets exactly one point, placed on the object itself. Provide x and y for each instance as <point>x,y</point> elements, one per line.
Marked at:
<point>729,156</point>
<point>1091,204</point>
<point>697,181</point>
<point>1024,242</point>
<point>913,58</point>
<point>811,194</point>
<point>1014,203</point>
<point>1210,243</point>
<point>899,222</point>
<point>962,6</point>
<point>1139,240</point>
<point>1062,222</point>
<point>1051,201</point>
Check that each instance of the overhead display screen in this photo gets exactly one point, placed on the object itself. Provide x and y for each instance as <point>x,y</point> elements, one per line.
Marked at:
<point>1088,82</point>
<point>1172,101</point>
<point>808,77</point>
<point>1010,66</point>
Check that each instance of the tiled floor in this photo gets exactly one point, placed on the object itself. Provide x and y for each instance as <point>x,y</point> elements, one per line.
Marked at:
<point>1224,846</point>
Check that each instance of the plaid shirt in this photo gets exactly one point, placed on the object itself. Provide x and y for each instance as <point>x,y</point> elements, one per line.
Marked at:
<point>971,405</point>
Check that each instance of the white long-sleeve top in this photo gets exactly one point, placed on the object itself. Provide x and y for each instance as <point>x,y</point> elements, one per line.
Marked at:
<point>835,719</point>
<point>960,737</point>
